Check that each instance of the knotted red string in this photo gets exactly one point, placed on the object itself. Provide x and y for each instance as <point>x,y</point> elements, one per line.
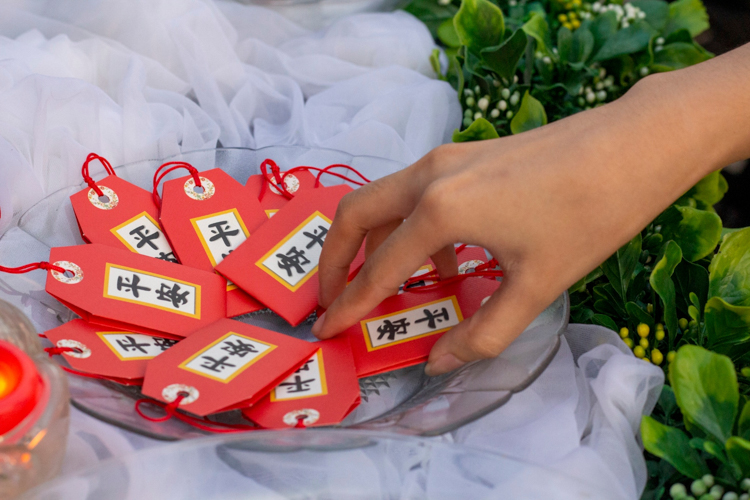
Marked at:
<point>199,423</point>
<point>59,350</point>
<point>32,267</point>
<point>277,178</point>
<point>486,270</point>
<point>173,165</point>
<point>301,422</point>
<point>85,171</point>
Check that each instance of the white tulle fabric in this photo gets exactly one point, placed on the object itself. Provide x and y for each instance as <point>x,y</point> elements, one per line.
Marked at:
<point>137,79</point>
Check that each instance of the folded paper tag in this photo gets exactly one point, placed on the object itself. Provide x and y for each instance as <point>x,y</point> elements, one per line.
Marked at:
<point>125,217</point>
<point>132,292</point>
<point>225,365</point>
<point>323,391</point>
<point>401,331</point>
<point>271,199</point>
<point>109,353</point>
<point>278,264</point>
<point>205,227</point>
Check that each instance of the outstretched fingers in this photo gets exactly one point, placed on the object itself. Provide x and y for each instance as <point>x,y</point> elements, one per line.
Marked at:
<point>490,330</point>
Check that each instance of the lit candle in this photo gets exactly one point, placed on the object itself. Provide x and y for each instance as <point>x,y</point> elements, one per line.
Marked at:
<point>20,386</point>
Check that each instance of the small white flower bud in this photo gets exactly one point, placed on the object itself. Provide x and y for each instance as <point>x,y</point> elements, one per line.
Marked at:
<point>744,496</point>
<point>505,93</point>
<point>590,97</point>
<point>716,491</point>
<point>658,48</point>
<point>609,81</point>
<point>509,115</point>
<point>745,484</point>
<point>514,99</point>
<point>496,83</point>
<point>678,490</point>
<point>660,41</point>
<point>601,95</point>
<point>470,101</point>
<point>483,103</point>
<point>602,73</point>
<point>515,78</point>
<point>502,105</point>
<point>477,90</point>
<point>468,92</point>
<point>547,60</point>
<point>730,495</point>
<point>538,55</point>
<point>599,86</point>
<point>708,480</point>
<point>581,101</point>
<point>444,2</point>
<point>625,24</point>
<point>495,113</point>
<point>477,115</point>
<point>512,3</point>
<point>468,113</point>
<point>644,71</point>
<point>467,121</point>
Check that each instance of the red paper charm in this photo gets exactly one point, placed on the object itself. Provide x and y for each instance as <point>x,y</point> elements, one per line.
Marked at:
<point>226,365</point>
<point>117,213</point>
<point>206,227</point>
<point>278,264</point>
<point>132,292</point>
<point>323,391</point>
<point>110,353</point>
<point>401,331</point>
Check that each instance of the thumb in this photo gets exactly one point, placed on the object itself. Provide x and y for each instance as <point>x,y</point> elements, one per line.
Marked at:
<point>490,330</point>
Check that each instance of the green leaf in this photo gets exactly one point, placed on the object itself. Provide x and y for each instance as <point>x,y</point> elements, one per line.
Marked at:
<point>530,115</point>
<point>709,190</point>
<point>581,283</point>
<point>709,447</point>
<point>743,422</point>
<point>537,28</point>
<point>435,61</point>
<point>605,321</point>
<point>738,450</point>
<point>729,271</point>
<point>705,385</point>
<point>603,27</point>
<point>479,130</point>
<point>667,401</point>
<point>447,34</point>
<point>626,41</point>
<point>661,282</point>
<point>678,55</point>
<point>431,13</point>
<point>687,14</point>
<point>698,233</point>
<point>607,293</point>
<point>620,266</point>
<point>504,58</point>
<point>657,12</point>
<point>726,325</point>
<point>638,315</point>
<point>479,24</point>
<point>653,241</point>
<point>690,278</point>
<point>672,445</point>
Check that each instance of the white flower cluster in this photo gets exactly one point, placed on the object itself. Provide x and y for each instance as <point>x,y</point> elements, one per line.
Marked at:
<point>626,14</point>
<point>589,95</point>
<point>479,107</point>
<point>705,488</point>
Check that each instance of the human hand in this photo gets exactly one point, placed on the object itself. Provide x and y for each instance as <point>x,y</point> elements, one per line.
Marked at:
<point>550,204</point>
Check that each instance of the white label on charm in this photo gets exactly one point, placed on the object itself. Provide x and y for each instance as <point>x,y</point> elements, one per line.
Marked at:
<point>308,381</point>
<point>409,324</point>
<point>142,235</point>
<point>295,259</point>
<point>220,233</point>
<point>133,346</point>
<point>227,357</point>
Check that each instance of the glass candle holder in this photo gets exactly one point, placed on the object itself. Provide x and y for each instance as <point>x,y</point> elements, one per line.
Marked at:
<point>34,414</point>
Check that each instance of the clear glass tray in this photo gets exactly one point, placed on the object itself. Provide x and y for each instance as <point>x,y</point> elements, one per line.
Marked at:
<point>403,401</point>
<point>315,464</point>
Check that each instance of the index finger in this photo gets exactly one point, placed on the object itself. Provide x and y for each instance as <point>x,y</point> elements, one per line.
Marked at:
<point>373,205</point>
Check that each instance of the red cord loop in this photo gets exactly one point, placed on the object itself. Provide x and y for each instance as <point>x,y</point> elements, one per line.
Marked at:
<point>174,165</point>
<point>199,423</point>
<point>85,171</point>
<point>276,178</point>
<point>301,422</point>
<point>32,267</point>
<point>486,270</point>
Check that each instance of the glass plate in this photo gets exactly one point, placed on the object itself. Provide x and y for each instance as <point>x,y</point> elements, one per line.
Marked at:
<point>403,401</point>
<point>315,464</point>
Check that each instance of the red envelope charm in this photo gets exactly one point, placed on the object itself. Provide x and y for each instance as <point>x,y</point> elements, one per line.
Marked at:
<point>401,331</point>
<point>271,199</point>
<point>278,264</point>
<point>226,365</point>
<point>206,227</point>
<point>323,391</point>
<point>126,219</point>
<point>131,292</point>
<point>110,353</point>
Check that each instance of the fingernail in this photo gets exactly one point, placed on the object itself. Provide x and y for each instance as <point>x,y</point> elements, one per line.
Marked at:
<point>318,326</point>
<point>444,364</point>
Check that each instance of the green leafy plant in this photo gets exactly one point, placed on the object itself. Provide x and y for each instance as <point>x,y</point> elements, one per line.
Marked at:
<point>701,429</point>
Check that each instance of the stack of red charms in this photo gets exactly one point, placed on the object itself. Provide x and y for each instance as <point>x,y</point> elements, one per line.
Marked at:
<point>160,276</point>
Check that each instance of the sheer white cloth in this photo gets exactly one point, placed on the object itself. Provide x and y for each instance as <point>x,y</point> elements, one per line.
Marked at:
<point>136,79</point>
